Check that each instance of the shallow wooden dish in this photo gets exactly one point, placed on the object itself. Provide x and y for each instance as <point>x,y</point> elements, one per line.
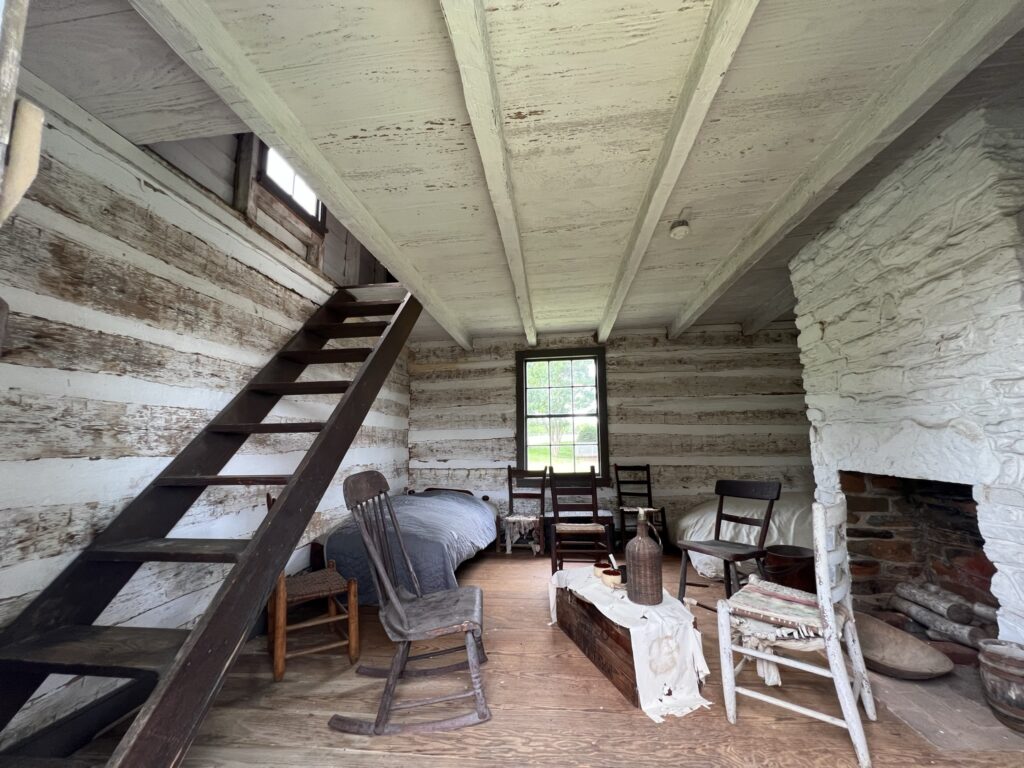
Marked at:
<point>896,653</point>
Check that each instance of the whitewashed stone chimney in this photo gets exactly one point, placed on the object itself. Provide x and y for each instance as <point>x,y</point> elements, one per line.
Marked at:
<point>911,326</point>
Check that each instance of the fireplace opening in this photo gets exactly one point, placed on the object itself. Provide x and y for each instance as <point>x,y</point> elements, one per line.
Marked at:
<point>915,544</point>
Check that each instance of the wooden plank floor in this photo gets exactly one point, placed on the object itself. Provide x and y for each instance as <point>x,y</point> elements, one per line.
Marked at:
<point>550,706</point>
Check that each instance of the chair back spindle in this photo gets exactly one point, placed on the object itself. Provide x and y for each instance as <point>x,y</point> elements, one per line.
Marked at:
<point>366,496</point>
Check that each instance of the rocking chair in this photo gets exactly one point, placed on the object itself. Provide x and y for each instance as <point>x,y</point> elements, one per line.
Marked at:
<point>409,615</point>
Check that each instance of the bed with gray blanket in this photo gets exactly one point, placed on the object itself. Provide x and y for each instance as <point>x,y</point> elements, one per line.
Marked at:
<point>441,530</point>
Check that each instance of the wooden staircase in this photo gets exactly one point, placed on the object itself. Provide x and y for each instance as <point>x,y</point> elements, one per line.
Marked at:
<point>177,673</point>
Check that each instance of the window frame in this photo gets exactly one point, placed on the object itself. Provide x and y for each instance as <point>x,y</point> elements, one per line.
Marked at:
<point>317,223</point>
<point>533,355</point>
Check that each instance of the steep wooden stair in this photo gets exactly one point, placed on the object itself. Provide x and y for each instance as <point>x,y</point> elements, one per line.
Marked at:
<point>175,674</point>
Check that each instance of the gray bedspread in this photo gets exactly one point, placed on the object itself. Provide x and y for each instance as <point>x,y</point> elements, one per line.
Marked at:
<point>441,530</point>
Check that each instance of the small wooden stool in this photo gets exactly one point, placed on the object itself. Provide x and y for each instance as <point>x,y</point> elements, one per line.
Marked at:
<point>314,585</point>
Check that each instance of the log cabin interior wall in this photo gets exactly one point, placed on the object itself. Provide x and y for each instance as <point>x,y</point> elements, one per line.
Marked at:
<point>139,307</point>
<point>712,404</point>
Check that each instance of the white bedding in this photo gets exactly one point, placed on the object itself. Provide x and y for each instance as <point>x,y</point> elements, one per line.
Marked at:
<point>791,524</point>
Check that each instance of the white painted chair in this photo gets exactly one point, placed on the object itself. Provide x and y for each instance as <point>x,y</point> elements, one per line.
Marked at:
<point>763,617</point>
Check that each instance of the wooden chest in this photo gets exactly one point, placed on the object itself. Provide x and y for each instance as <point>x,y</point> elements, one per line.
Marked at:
<point>603,641</point>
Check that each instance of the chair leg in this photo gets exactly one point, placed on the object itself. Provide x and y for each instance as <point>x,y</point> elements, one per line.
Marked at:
<point>728,577</point>
<point>554,554</point>
<point>280,641</point>
<point>474,675</point>
<point>682,573</point>
<point>353,621</point>
<point>387,698</point>
<point>851,714</point>
<point>622,527</point>
<point>609,536</point>
<point>860,671</point>
<point>725,652</point>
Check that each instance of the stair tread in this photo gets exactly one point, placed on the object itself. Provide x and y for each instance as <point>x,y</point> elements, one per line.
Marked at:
<point>223,480</point>
<point>348,330</point>
<point>97,650</point>
<point>23,761</point>
<point>301,387</point>
<point>170,550</point>
<point>323,356</point>
<point>369,308</point>
<point>258,428</point>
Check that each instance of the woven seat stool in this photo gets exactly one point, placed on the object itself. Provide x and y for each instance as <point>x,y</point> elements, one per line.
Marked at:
<point>290,591</point>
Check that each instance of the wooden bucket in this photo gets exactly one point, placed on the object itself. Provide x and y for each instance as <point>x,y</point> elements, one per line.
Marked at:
<point>790,566</point>
<point>1001,664</point>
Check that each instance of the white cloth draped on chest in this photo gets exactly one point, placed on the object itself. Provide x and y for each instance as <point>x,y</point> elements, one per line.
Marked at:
<point>667,653</point>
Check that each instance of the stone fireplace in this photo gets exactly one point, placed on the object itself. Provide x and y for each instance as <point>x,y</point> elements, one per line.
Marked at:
<point>905,530</point>
<point>911,325</point>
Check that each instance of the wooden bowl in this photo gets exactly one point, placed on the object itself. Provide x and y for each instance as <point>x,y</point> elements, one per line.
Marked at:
<point>893,652</point>
<point>1001,664</point>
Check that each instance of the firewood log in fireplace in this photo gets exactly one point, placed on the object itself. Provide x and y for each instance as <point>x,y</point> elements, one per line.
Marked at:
<point>953,608</point>
<point>957,632</point>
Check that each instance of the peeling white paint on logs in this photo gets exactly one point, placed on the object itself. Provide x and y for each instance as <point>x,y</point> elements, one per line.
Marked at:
<point>713,405</point>
<point>136,315</point>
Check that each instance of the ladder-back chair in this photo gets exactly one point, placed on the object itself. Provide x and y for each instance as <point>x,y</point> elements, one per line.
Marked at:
<point>408,616</point>
<point>732,552</point>
<point>515,523</point>
<point>580,531</point>
<point>633,487</point>
<point>763,616</point>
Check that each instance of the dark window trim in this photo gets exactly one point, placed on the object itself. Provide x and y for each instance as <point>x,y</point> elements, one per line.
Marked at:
<point>317,223</point>
<point>604,473</point>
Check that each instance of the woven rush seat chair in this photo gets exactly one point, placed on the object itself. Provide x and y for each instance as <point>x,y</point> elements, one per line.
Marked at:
<point>408,615</point>
<point>581,532</point>
<point>763,617</point>
<point>325,584</point>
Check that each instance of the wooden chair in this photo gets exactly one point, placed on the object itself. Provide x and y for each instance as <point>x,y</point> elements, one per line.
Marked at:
<point>732,552</point>
<point>633,486</point>
<point>521,492</point>
<point>408,615</point>
<point>326,584</point>
<point>763,616</point>
<point>580,531</point>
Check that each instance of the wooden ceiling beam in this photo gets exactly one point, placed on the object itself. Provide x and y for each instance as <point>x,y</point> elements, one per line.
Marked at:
<point>957,46</point>
<point>195,33</point>
<point>720,39</point>
<point>467,29</point>
<point>779,304</point>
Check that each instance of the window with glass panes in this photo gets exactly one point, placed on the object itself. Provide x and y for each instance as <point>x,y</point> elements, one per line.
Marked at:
<point>278,175</point>
<point>561,406</point>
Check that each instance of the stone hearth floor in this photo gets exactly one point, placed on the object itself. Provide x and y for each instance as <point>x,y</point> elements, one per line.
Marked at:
<point>950,711</point>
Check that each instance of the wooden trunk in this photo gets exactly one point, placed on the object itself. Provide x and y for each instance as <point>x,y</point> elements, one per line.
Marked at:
<point>603,641</point>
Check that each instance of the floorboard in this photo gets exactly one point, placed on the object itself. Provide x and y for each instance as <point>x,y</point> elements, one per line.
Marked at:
<point>551,707</point>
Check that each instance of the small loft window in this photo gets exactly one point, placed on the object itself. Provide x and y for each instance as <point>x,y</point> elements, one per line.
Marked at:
<point>562,411</point>
<point>277,175</point>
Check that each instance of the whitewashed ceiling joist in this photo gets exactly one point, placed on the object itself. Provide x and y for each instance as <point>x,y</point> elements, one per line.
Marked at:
<point>195,32</point>
<point>467,28</point>
<point>963,40</point>
<point>718,44</point>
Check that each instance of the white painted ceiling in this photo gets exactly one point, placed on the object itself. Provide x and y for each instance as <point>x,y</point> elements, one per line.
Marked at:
<point>586,91</point>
